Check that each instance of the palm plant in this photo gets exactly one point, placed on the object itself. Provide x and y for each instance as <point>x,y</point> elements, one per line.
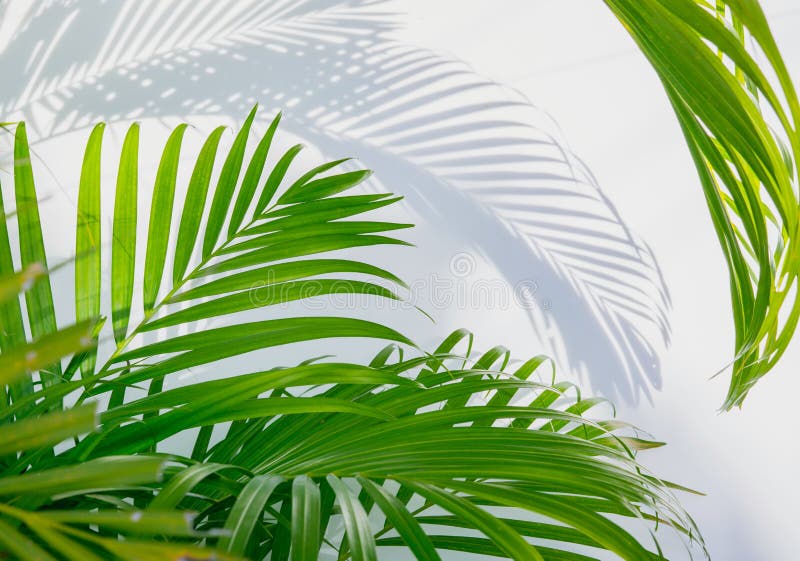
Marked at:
<point>740,120</point>
<point>433,451</point>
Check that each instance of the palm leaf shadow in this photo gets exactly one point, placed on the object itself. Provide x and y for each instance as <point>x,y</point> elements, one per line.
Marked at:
<point>472,155</point>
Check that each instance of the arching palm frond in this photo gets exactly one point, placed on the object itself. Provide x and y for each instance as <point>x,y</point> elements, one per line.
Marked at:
<point>434,452</point>
<point>246,256</point>
<point>431,453</point>
<point>243,240</point>
<point>356,459</point>
<point>742,131</point>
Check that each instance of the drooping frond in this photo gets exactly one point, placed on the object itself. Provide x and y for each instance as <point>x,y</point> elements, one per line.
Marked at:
<point>740,118</point>
<point>430,453</point>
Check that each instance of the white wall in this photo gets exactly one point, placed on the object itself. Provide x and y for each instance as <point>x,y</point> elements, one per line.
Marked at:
<point>340,70</point>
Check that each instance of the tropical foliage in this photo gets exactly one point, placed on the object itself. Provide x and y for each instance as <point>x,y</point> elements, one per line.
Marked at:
<point>448,450</point>
<point>436,451</point>
<point>740,120</point>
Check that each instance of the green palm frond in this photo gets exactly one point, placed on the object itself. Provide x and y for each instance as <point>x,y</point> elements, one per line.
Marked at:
<point>434,452</point>
<point>261,229</point>
<point>742,131</point>
<point>432,446</point>
<point>246,256</point>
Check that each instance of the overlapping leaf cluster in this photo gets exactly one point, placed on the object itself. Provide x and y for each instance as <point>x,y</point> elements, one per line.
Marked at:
<point>431,452</point>
<point>740,120</point>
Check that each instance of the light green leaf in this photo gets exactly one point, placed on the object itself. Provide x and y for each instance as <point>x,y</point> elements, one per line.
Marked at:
<point>137,522</point>
<point>45,353</point>
<point>123,245</point>
<point>193,205</point>
<point>161,216</point>
<point>182,483</point>
<point>96,474</point>
<point>252,177</point>
<point>223,194</point>
<point>506,539</point>
<point>69,548</point>
<point>50,429</point>
<point>258,279</point>
<point>39,299</point>
<point>275,178</point>
<point>360,537</point>
<point>306,536</point>
<point>269,296</point>
<point>396,513</point>
<point>247,512</point>
<point>20,545</point>
<point>324,187</point>
<point>88,239</point>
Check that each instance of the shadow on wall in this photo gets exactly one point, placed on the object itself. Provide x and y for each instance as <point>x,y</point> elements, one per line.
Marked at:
<point>471,156</point>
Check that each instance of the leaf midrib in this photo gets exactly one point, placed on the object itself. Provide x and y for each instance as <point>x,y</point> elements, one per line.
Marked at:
<point>148,315</point>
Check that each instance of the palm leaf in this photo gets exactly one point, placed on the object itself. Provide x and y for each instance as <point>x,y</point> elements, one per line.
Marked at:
<point>33,476</point>
<point>265,235</point>
<point>38,300</point>
<point>289,461</point>
<point>747,167</point>
<point>123,249</point>
<point>433,451</point>
<point>88,238</point>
